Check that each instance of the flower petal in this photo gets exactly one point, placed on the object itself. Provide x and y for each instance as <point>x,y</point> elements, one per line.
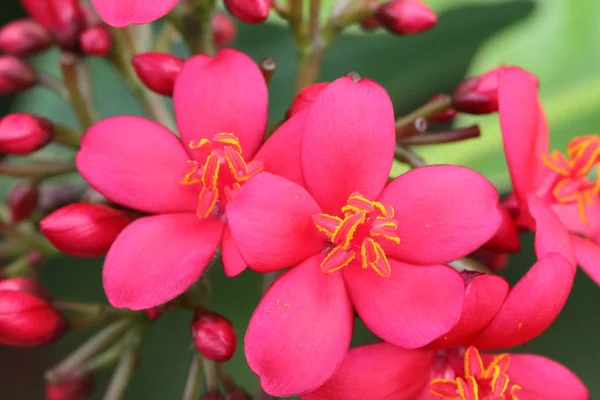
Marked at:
<point>119,13</point>
<point>412,307</point>
<point>226,93</point>
<point>348,144</point>
<point>587,254</point>
<point>304,317</point>
<point>272,224</point>
<point>233,263</point>
<point>569,215</point>
<point>157,258</point>
<point>281,152</point>
<point>484,296</point>
<point>137,163</point>
<point>550,234</point>
<point>378,371</point>
<point>542,378</point>
<point>443,212</point>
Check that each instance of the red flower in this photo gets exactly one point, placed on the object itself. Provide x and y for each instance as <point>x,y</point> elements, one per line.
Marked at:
<point>345,217</point>
<point>120,13</point>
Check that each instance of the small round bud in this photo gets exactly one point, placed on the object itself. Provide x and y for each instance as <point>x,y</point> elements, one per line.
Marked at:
<point>477,95</point>
<point>22,200</point>
<point>158,71</point>
<point>369,23</point>
<point>213,336</point>
<point>35,258</point>
<point>406,17</point>
<point>15,75</point>
<point>237,394</point>
<point>23,38</point>
<point>153,313</point>
<point>83,229</point>
<point>73,388</point>
<point>64,19</point>
<point>22,133</point>
<point>224,29</point>
<point>211,396</point>
<point>96,41</point>
<point>249,11</point>
<point>306,97</point>
<point>443,117</point>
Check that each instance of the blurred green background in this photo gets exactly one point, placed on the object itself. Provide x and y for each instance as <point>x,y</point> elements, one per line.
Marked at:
<point>556,39</point>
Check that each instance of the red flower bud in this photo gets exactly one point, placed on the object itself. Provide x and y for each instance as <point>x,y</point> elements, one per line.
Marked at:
<point>370,23</point>
<point>445,116</point>
<point>249,11</point>
<point>153,313</point>
<point>35,258</point>
<point>27,320</point>
<point>214,336</point>
<point>24,37</point>
<point>477,95</point>
<point>15,75</point>
<point>64,19</point>
<point>406,17</point>
<point>158,71</point>
<point>83,229</point>
<point>74,388</point>
<point>22,133</point>
<point>96,41</point>
<point>224,29</point>
<point>306,97</point>
<point>237,394</point>
<point>211,396</point>
<point>25,284</point>
<point>22,200</point>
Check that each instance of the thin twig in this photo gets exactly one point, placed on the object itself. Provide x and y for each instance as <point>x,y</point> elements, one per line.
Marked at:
<point>443,137</point>
<point>430,109</point>
<point>193,383</point>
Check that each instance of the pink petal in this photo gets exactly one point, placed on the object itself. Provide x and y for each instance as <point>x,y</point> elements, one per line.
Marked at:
<point>137,163</point>
<point>443,212</point>
<point>587,254</point>
<point>348,144</point>
<point>300,331</point>
<point>569,216</point>
<point>542,378</point>
<point>281,152</point>
<point>484,296</point>
<point>550,234</point>
<point>412,307</point>
<point>226,93</point>
<point>524,129</point>
<point>233,263</point>
<point>306,97</point>
<point>157,258</point>
<point>119,13</point>
<point>272,224</point>
<point>378,371</point>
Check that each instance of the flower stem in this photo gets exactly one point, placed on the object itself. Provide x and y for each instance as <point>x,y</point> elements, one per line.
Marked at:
<point>66,136</point>
<point>42,169</point>
<point>124,369</point>
<point>210,375</point>
<point>77,82</point>
<point>195,26</point>
<point>309,67</point>
<point>193,383</point>
<point>428,110</point>
<point>53,84</point>
<point>29,240</point>
<point>443,137</point>
<point>406,156</point>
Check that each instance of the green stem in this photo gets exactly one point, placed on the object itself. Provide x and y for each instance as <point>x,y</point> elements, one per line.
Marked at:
<point>309,67</point>
<point>193,383</point>
<point>77,82</point>
<point>124,369</point>
<point>54,85</point>
<point>406,156</point>
<point>210,375</point>
<point>66,136</point>
<point>195,26</point>
<point>42,169</point>
<point>443,137</point>
<point>29,240</point>
<point>104,359</point>
<point>428,110</point>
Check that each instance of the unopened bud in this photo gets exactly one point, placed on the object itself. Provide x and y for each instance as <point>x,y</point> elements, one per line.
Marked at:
<point>24,37</point>
<point>370,23</point>
<point>96,41</point>
<point>73,388</point>
<point>306,97</point>
<point>64,19</point>
<point>237,394</point>
<point>25,284</point>
<point>153,313</point>
<point>445,116</point>
<point>158,71</point>
<point>224,29</point>
<point>15,75</point>
<point>22,133</point>
<point>35,258</point>
<point>22,200</point>
<point>27,320</point>
<point>83,229</point>
<point>214,336</point>
<point>477,95</point>
<point>211,396</point>
<point>249,11</point>
<point>406,17</point>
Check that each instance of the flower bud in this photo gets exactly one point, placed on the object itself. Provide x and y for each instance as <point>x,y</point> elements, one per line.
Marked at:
<point>211,396</point>
<point>153,313</point>
<point>237,394</point>
<point>96,41</point>
<point>35,258</point>
<point>370,23</point>
<point>27,320</point>
<point>22,200</point>
<point>214,336</point>
<point>406,17</point>
<point>15,75</point>
<point>83,229</point>
<point>477,95</point>
<point>445,116</point>
<point>306,97</point>
<point>224,29</point>
<point>158,71</point>
<point>73,388</point>
<point>64,19</point>
<point>22,133</point>
<point>249,11</point>
<point>25,284</point>
<point>24,37</point>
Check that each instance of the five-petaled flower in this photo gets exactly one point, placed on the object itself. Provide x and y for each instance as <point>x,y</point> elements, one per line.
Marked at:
<point>354,242</point>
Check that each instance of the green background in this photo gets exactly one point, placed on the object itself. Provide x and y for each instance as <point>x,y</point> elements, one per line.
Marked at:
<point>556,39</point>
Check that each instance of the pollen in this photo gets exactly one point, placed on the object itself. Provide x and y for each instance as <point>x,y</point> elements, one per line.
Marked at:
<point>358,235</point>
<point>222,172</point>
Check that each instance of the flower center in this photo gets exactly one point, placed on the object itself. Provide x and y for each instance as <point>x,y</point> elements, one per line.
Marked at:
<point>573,185</point>
<point>478,382</point>
<point>364,224</point>
<point>222,173</point>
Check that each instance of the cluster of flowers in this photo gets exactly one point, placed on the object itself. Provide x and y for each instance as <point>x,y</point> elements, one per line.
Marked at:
<point>414,258</point>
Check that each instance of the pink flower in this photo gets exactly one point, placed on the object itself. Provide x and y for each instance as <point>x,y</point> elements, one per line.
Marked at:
<point>560,181</point>
<point>186,182</point>
<point>341,217</point>
<point>381,371</point>
<point>120,13</point>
